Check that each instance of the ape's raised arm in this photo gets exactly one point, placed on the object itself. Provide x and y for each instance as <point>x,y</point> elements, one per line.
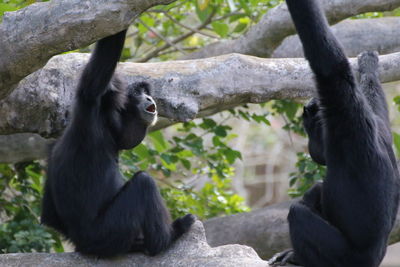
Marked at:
<point>338,92</point>
<point>100,69</point>
<point>322,50</point>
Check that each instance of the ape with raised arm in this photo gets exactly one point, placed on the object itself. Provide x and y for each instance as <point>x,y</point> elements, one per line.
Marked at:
<point>86,198</point>
<point>346,220</point>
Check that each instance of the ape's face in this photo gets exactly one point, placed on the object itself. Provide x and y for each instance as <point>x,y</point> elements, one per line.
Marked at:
<point>313,126</point>
<point>138,113</point>
<point>141,104</point>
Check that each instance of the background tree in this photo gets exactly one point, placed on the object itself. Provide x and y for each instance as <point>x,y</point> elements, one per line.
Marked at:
<point>36,90</point>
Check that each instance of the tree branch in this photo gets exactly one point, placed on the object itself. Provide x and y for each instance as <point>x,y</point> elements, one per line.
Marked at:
<point>31,36</point>
<point>168,44</point>
<point>381,34</point>
<point>264,37</point>
<point>266,230</point>
<point>183,90</point>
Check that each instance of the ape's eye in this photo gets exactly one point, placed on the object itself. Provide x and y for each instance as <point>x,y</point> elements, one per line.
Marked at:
<point>135,92</point>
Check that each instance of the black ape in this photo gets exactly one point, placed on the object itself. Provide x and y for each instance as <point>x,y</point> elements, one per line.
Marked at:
<point>85,196</point>
<point>346,220</point>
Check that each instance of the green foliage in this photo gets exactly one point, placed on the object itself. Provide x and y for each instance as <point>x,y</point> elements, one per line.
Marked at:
<point>200,150</point>
<point>215,199</point>
<point>20,198</point>
<point>307,174</point>
<point>290,111</point>
<point>396,136</point>
<point>12,5</point>
<point>210,20</point>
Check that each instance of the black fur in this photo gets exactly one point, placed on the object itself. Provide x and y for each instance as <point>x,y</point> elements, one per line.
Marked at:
<point>346,220</point>
<point>85,197</point>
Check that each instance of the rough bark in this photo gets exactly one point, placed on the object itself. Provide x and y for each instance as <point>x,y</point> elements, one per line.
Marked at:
<point>190,250</point>
<point>183,90</point>
<point>264,37</point>
<point>266,230</point>
<point>380,34</point>
<point>31,36</point>
<point>23,147</point>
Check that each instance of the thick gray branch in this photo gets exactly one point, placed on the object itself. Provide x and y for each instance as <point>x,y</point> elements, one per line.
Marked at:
<point>23,147</point>
<point>183,90</point>
<point>266,230</point>
<point>31,36</point>
<point>381,34</point>
<point>264,37</point>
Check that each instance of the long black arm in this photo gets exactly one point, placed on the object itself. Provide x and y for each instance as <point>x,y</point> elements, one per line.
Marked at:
<point>100,69</point>
<point>343,102</point>
<point>322,50</point>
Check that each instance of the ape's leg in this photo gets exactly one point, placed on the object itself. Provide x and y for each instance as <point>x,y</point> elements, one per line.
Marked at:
<point>311,199</point>
<point>157,230</point>
<point>314,240</point>
<point>135,220</point>
<point>368,63</point>
<point>49,214</point>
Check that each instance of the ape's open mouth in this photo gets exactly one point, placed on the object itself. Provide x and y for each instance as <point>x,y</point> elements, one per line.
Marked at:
<point>151,108</point>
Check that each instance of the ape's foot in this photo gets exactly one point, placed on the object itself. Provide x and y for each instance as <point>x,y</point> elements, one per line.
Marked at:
<point>368,61</point>
<point>283,258</point>
<point>183,224</point>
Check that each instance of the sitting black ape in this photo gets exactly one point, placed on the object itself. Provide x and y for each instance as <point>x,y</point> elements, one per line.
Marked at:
<point>346,220</point>
<point>85,197</point>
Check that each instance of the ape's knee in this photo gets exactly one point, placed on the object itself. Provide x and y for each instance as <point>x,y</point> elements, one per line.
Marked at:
<point>312,197</point>
<point>298,212</point>
<point>143,179</point>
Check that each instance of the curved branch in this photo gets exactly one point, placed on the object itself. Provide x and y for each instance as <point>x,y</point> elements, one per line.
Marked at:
<point>380,34</point>
<point>31,36</point>
<point>266,230</point>
<point>264,37</point>
<point>183,90</point>
<point>23,147</point>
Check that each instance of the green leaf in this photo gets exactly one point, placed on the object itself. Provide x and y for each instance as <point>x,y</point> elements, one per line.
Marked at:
<point>141,151</point>
<point>208,123</point>
<point>232,155</point>
<point>203,14</point>
<point>167,162</point>
<point>6,8</point>
<point>159,141</point>
<point>220,131</point>
<point>397,100</point>
<point>245,7</point>
<point>261,118</point>
<point>220,28</point>
<point>203,4</point>
<point>186,164</point>
<point>240,27</point>
<point>149,21</point>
